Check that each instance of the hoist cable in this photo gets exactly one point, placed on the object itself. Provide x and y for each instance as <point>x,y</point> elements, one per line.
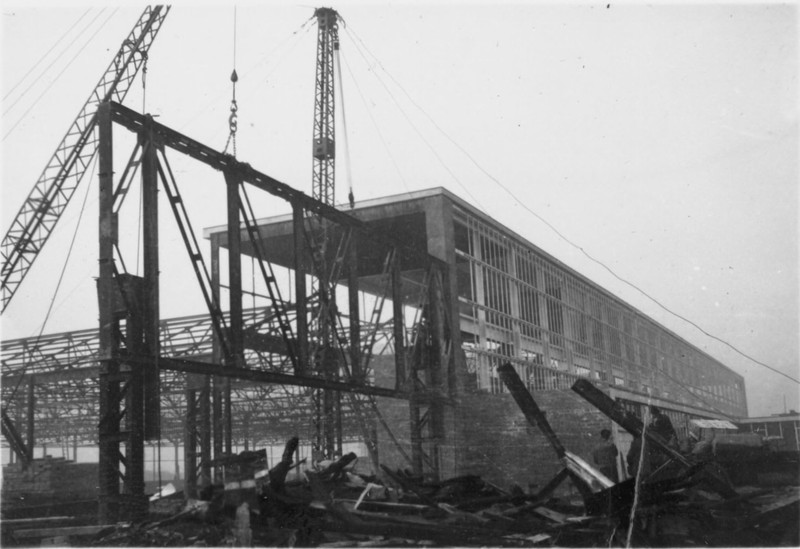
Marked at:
<point>234,36</point>
<point>60,278</point>
<point>348,173</point>
<point>43,57</point>
<point>562,236</point>
<point>74,57</point>
<point>233,119</point>
<point>63,51</point>
<point>195,116</point>
<point>144,82</point>
<point>419,133</point>
<point>377,127</point>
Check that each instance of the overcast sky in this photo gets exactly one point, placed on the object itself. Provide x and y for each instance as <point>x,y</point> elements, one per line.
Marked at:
<point>662,139</point>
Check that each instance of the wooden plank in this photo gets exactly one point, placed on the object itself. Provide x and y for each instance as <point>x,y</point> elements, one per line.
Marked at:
<point>62,531</point>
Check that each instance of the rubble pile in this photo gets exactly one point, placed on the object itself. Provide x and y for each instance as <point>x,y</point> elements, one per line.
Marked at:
<point>332,506</point>
<point>675,500</point>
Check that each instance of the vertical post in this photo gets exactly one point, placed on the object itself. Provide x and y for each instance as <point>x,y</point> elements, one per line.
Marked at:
<point>398,323</point>
<point>355,317</point>
<point>246,431</point>
<point>329,398</point>
<point>416,434</point>
<point>108,467</point>
<point>339,425</point>
<point>205,432</point>
<point>190,442</point>
<point>513,287</point>
<point>544,320</point>
<point>236,337</point>
<point>177,462</point>
<point>228,416</point>
<point>150,307</point>
<point>204,404</point>
<point>216,425</point>
<point>438,303</point>
<point>301,302</point>
<point>480,297</point>
<point>234,270</point>
<point>30,417</point>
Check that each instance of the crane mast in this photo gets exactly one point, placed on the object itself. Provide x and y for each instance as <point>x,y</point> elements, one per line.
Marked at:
<point>324,177</point>
<point>40,212</point>
<point>327,406</point>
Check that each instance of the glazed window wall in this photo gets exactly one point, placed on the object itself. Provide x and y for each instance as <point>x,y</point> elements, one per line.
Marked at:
<point>518,306</point>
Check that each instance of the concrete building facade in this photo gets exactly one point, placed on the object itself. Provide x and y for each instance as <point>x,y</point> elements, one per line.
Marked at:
<point>510,301</point>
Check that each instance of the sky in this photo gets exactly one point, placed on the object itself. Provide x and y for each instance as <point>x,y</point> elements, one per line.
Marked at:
<point>660,139</point>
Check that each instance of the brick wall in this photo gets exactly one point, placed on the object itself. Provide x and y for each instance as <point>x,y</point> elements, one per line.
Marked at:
<point>487,435</point>
<point>496,442</point>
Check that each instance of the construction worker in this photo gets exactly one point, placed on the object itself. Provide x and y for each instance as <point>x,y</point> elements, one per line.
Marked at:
<point>634,456</point>
<point>661,425</point>
<point>605,456</point>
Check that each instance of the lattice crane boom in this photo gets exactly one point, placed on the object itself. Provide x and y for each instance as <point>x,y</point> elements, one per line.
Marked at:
<point>324,177</point>
<point>41,211</point>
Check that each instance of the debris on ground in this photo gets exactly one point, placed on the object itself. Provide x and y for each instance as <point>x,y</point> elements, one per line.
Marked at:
<point>686,502</point>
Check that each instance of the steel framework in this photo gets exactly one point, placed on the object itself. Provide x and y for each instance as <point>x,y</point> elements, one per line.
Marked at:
<point>129,344</point>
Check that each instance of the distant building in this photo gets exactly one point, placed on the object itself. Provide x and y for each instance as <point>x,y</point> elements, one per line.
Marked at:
<point>782,429</point>
<point>516,303</point>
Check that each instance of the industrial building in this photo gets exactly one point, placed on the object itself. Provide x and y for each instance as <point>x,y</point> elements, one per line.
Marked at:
<point>381,329</point>
<point>514,303</point>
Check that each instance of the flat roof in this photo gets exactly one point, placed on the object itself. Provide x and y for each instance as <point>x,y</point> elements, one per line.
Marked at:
<point>390,200</point>
<point>772,419</point>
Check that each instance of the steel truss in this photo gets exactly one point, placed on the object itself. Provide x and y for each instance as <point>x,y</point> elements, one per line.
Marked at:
<point>130,344</point>
<point>61,371</point>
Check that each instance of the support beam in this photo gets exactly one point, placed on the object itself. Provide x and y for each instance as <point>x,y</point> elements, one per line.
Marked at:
<point>225,163</point>
<point>262,376</point>
<point>190,445</point>
<point>399,331</point>
<point>109,385</point>
<point>56,376</point>
<point>234,270</point>
<point>236,337</point>
<point>529,408</point>
<point>150,308</point>
<point>31,431</point>
<point>210,405</point>
<point>204,404</point>
<point>627,421</point>
<point>301,303</point>
<point>355,316</point>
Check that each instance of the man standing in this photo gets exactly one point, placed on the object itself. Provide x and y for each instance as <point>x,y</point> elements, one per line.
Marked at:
<point>605,456</point>
<point>662,426</point>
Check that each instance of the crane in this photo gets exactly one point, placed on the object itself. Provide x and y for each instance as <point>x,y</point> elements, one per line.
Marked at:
<point>327,353</point>
<point>326,403</point>
<point>40,212</point>
<point>324,176</point>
